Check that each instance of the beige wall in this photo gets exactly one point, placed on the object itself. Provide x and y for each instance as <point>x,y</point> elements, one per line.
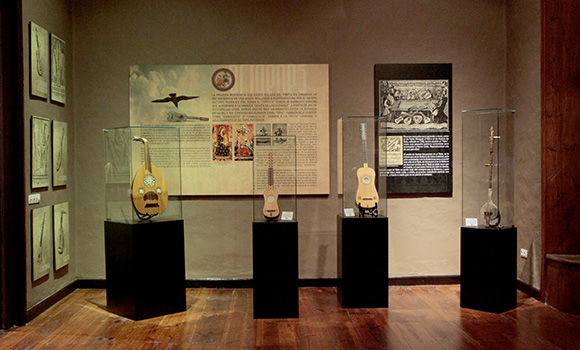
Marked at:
<point>351,37</point>
<point>523,94</point>
<point>56,17</point>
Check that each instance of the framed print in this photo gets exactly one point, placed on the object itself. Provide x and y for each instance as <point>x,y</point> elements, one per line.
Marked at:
<point>415,103</point>
<point>61,235</point>
<point>40,242</point>
<point>40,139</point>
<point>59,153</point>
<point>39,61</point>
<point>57,69</point>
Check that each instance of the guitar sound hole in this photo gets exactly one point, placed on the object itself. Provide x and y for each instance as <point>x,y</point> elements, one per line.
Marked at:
<point>150,196</point>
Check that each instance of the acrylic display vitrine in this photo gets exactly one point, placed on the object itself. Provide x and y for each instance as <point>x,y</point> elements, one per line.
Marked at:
<point>488,168</point>
<point>362,223</point>
<point>361,152</point>
<point>142,174</point>
<point>274,178</point>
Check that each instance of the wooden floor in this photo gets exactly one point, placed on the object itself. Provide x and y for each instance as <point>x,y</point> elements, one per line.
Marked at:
<point>419,317</point>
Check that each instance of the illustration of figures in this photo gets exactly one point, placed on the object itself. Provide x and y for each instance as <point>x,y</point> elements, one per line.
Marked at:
<point>244,147</point>
<point>415,106</point>
<point>389,102</point>
<point>280,129</point>
<point>222,147</point>
<point>440,102</point>
<point>40,151</point>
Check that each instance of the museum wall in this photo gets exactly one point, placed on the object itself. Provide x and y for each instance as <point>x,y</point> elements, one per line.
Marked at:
<point>56,17</point>
<point>349,36</point>
<point>523,86</point>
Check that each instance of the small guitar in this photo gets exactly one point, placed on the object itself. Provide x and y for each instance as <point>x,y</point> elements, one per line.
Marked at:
<point>148,191</point>
<point>367,197</point>
<point>489,210</point>
<point>271,210</point>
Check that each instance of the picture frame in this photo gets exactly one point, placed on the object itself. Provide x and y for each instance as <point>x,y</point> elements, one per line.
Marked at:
<point>57,69</point>
<point>39,61</point>
<point>61,235</point>
<point>59,153</point>
<point>40,145</point>
<point>40,256</point>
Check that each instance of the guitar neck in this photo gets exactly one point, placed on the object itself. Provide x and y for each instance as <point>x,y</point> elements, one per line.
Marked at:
<point>363,136</point>
<point>270,170</point>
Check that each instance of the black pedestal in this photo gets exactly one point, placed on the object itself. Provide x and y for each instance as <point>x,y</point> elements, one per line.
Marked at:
<point>488,269</point>
<point>275,265</point>
<point>145,268</point>
<point>363,262</point>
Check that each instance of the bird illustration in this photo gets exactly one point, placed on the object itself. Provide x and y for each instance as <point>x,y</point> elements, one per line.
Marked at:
<point>174,98</point>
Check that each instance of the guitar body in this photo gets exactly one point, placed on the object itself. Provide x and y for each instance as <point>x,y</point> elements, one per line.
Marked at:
<point>148,191</point>
<point>367,197</point>
<point>271,210</point>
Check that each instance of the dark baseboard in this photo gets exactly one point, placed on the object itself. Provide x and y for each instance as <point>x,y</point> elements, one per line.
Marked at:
<point>303,282</point>
<point>529,290</point>
<point>91,284</point>
<point>423,280</point>
<point>50,301</point>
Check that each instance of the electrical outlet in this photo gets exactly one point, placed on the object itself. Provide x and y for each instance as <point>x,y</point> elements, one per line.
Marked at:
<point>34,198</point>
<point>524,253</point>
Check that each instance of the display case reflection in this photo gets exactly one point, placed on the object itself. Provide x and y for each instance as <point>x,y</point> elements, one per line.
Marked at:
<point>488,180</point>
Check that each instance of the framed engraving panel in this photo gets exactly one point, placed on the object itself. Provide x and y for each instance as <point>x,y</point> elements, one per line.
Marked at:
<point>57,69</point>
<point>40,242</point>
<point>40,140</point>
<point>61,235</point>
<point>39,61</point>
<point>415,103</point>
<point>59,153</point>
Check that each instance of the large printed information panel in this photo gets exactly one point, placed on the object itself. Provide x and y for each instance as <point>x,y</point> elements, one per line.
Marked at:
<point>224,109</point>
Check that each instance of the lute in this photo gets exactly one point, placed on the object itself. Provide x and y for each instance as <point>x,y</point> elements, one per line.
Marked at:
<point>489,210</point>
<point>367,197</point>
<point>148,191</point>
<point>271,210</point>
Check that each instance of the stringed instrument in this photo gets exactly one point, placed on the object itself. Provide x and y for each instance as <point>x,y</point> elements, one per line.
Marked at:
<point>60,247</point>
<point>367,197</point>
<point>39,258</point>
<point>271,210</point>
<point>489,210</point>
<point>148,191</point>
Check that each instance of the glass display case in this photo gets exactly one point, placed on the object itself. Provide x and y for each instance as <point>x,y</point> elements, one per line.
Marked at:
<point>142,174</point>
<point>361,151</point>
<point>488,168</point>
<point>274,178</point>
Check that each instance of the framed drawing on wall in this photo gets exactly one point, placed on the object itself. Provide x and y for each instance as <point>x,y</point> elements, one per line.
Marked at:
<point>57,69</point>
<point>61,235</point>
<point>40,242</point>
<point>40,139</point>
<point>59,153</point>
<point>414,101</point>
<point>39,61</point>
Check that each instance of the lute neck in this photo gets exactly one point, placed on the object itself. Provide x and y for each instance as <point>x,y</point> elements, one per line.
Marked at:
<point>146,151</point>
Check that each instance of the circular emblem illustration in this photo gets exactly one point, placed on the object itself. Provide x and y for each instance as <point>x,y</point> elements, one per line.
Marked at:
<point>223,79</point>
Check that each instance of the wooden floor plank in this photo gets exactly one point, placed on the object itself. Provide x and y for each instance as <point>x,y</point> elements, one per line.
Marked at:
<point>419,317</point>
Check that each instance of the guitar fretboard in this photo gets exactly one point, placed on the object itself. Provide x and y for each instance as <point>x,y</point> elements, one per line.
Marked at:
<point>363,136</point>
<point>270,170</point>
